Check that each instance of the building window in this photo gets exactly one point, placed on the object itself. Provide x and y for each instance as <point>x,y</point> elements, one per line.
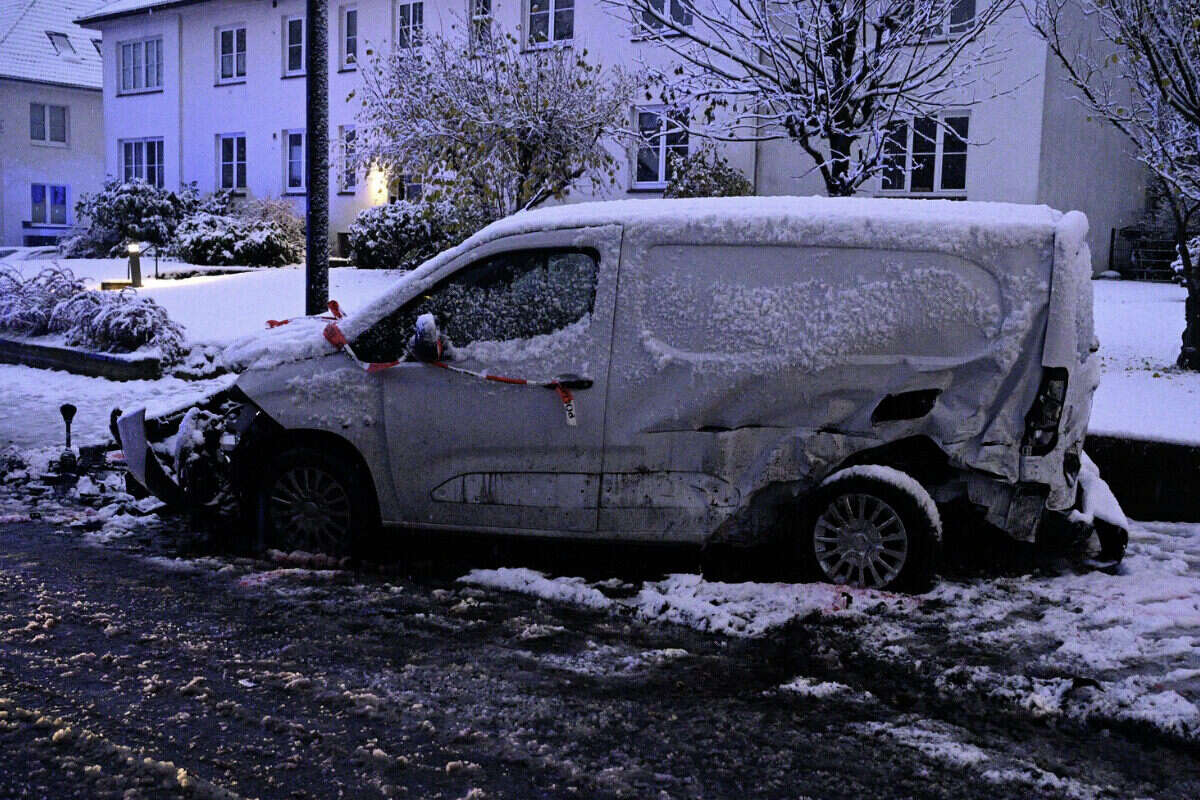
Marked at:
<point>231,148</point>
<point>405,187</point>
<point>959,19</point>
<point>926,156</point>
<point>231,54</point>
<point>480,13</point>
<point>141,65</point>
<point>681,14</point>
<point>142,158</point>
<point>62,45</point>
<point>348,178</point>
<point>410,24</point>
<point>349,17</point>
<point>48,123</point>
<point>47,204</point>
<point>551,21</point>
<point>663,134</point>
<point>293,169</point>
<point>293,46</point>
<point>962,17</point>
<point>99,49</point>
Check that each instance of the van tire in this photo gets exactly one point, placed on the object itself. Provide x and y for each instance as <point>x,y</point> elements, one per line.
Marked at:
<point>312,500</point>
<point>873,511</point>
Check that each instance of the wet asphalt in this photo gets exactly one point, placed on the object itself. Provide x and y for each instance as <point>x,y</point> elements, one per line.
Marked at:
<point>125,676</point>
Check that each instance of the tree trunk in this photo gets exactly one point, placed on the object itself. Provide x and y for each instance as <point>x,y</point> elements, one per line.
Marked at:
<point>316,156</point>
<point>1189,353</point>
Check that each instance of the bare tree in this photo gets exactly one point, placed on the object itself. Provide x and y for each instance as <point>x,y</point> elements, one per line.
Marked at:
<point>831,75</point>
<point>1142,75</point>
<point>482,121</point>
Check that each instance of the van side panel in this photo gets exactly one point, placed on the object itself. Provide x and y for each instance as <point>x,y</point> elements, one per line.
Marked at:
<point>758,365</point>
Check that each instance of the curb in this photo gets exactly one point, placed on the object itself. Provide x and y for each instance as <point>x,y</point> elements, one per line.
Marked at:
<point>80,362</point>
<point>1152,480</point>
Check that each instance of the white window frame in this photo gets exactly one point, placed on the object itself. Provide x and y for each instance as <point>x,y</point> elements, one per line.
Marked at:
<point>405,187</point>
<point>551,12</point>
<point>46,139</point>
<point>939,155</point>
<point>347,170</point>
<point>235,75</point>
<point>288,45</point>
<point>414,29</point>
<point>141,167</point>
<point>660,145</point>
<point>48,211</point>
<point>349,53</point>
<point>646,25</point>
<point>132,63</point>
<point>302,187</point>
<point>480,19</point>
<point>235,163</point>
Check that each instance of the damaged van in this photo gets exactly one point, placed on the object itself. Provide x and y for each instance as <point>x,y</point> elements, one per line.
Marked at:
<point>820,374</point>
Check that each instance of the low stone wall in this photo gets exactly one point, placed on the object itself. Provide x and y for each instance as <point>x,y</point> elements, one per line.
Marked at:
<point>101,365</point>
<point>1153,480</point>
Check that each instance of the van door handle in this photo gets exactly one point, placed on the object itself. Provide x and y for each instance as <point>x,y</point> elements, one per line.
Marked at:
<point>572,381</point>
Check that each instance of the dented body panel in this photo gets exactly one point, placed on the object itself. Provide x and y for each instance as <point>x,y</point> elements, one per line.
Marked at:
<point>739,351</point>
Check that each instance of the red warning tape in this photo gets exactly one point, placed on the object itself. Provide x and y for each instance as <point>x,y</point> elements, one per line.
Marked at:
<point>334,309</point>
<point>333,335</point>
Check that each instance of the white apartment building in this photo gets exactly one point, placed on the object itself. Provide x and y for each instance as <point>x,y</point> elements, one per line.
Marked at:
<point>51,118</point>
<point>213,92</point>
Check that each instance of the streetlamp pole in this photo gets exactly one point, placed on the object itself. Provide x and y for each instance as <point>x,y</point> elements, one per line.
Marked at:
<point>316,156</point>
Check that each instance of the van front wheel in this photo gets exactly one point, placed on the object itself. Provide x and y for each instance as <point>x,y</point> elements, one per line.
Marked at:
<point>309,500</point>
<point>873,527</point>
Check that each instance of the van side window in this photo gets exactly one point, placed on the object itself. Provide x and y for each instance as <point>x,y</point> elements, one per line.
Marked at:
<point>514,295</point>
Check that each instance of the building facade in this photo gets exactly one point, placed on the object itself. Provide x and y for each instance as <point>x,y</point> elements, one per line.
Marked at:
<point>213,92</point>
<point>51,118</point>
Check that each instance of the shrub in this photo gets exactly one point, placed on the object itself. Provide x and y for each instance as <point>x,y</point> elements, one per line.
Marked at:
<point>55,301</point>
<point>134,211</point>
<point>224,240</point>
<point>401,235</point>
<point>705,173</point>
<point>26,305</point>
<point>118,322</point>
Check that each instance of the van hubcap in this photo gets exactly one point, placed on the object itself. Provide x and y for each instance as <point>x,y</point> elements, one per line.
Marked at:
<point>310,509</point>
<point>860,540</point>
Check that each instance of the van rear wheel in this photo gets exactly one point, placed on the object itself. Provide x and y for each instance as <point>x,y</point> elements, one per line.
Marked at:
<point>872,527</point>
<point>313,501</point>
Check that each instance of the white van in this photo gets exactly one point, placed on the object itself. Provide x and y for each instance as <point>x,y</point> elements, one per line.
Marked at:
<point>823,373</point>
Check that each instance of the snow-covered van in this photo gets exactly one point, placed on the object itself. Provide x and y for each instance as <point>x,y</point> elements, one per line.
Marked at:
<point>822,374</point>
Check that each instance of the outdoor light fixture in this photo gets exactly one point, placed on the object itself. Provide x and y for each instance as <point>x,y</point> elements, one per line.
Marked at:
<point>135,264</point>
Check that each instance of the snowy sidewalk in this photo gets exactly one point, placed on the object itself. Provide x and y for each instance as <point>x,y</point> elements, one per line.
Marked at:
<point>1142,395</point>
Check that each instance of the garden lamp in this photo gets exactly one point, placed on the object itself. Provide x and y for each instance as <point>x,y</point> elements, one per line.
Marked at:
<point>135,264</point>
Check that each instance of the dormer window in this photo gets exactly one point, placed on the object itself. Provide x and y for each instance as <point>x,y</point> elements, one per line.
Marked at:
<point>62,44</point>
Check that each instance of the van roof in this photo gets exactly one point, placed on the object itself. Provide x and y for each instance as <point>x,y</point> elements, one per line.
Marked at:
<point>868,219</point>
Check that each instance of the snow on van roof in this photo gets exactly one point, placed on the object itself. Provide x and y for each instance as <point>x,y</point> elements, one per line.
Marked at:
<point>945,225</point>
<point>718,211</point>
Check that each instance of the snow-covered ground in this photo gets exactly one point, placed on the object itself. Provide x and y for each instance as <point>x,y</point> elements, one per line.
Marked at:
<point>1081,646</point>
<point>31,397</point>
<point>1142,395</point>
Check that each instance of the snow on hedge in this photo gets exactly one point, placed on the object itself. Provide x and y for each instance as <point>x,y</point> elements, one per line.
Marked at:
<point>54,301</point>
